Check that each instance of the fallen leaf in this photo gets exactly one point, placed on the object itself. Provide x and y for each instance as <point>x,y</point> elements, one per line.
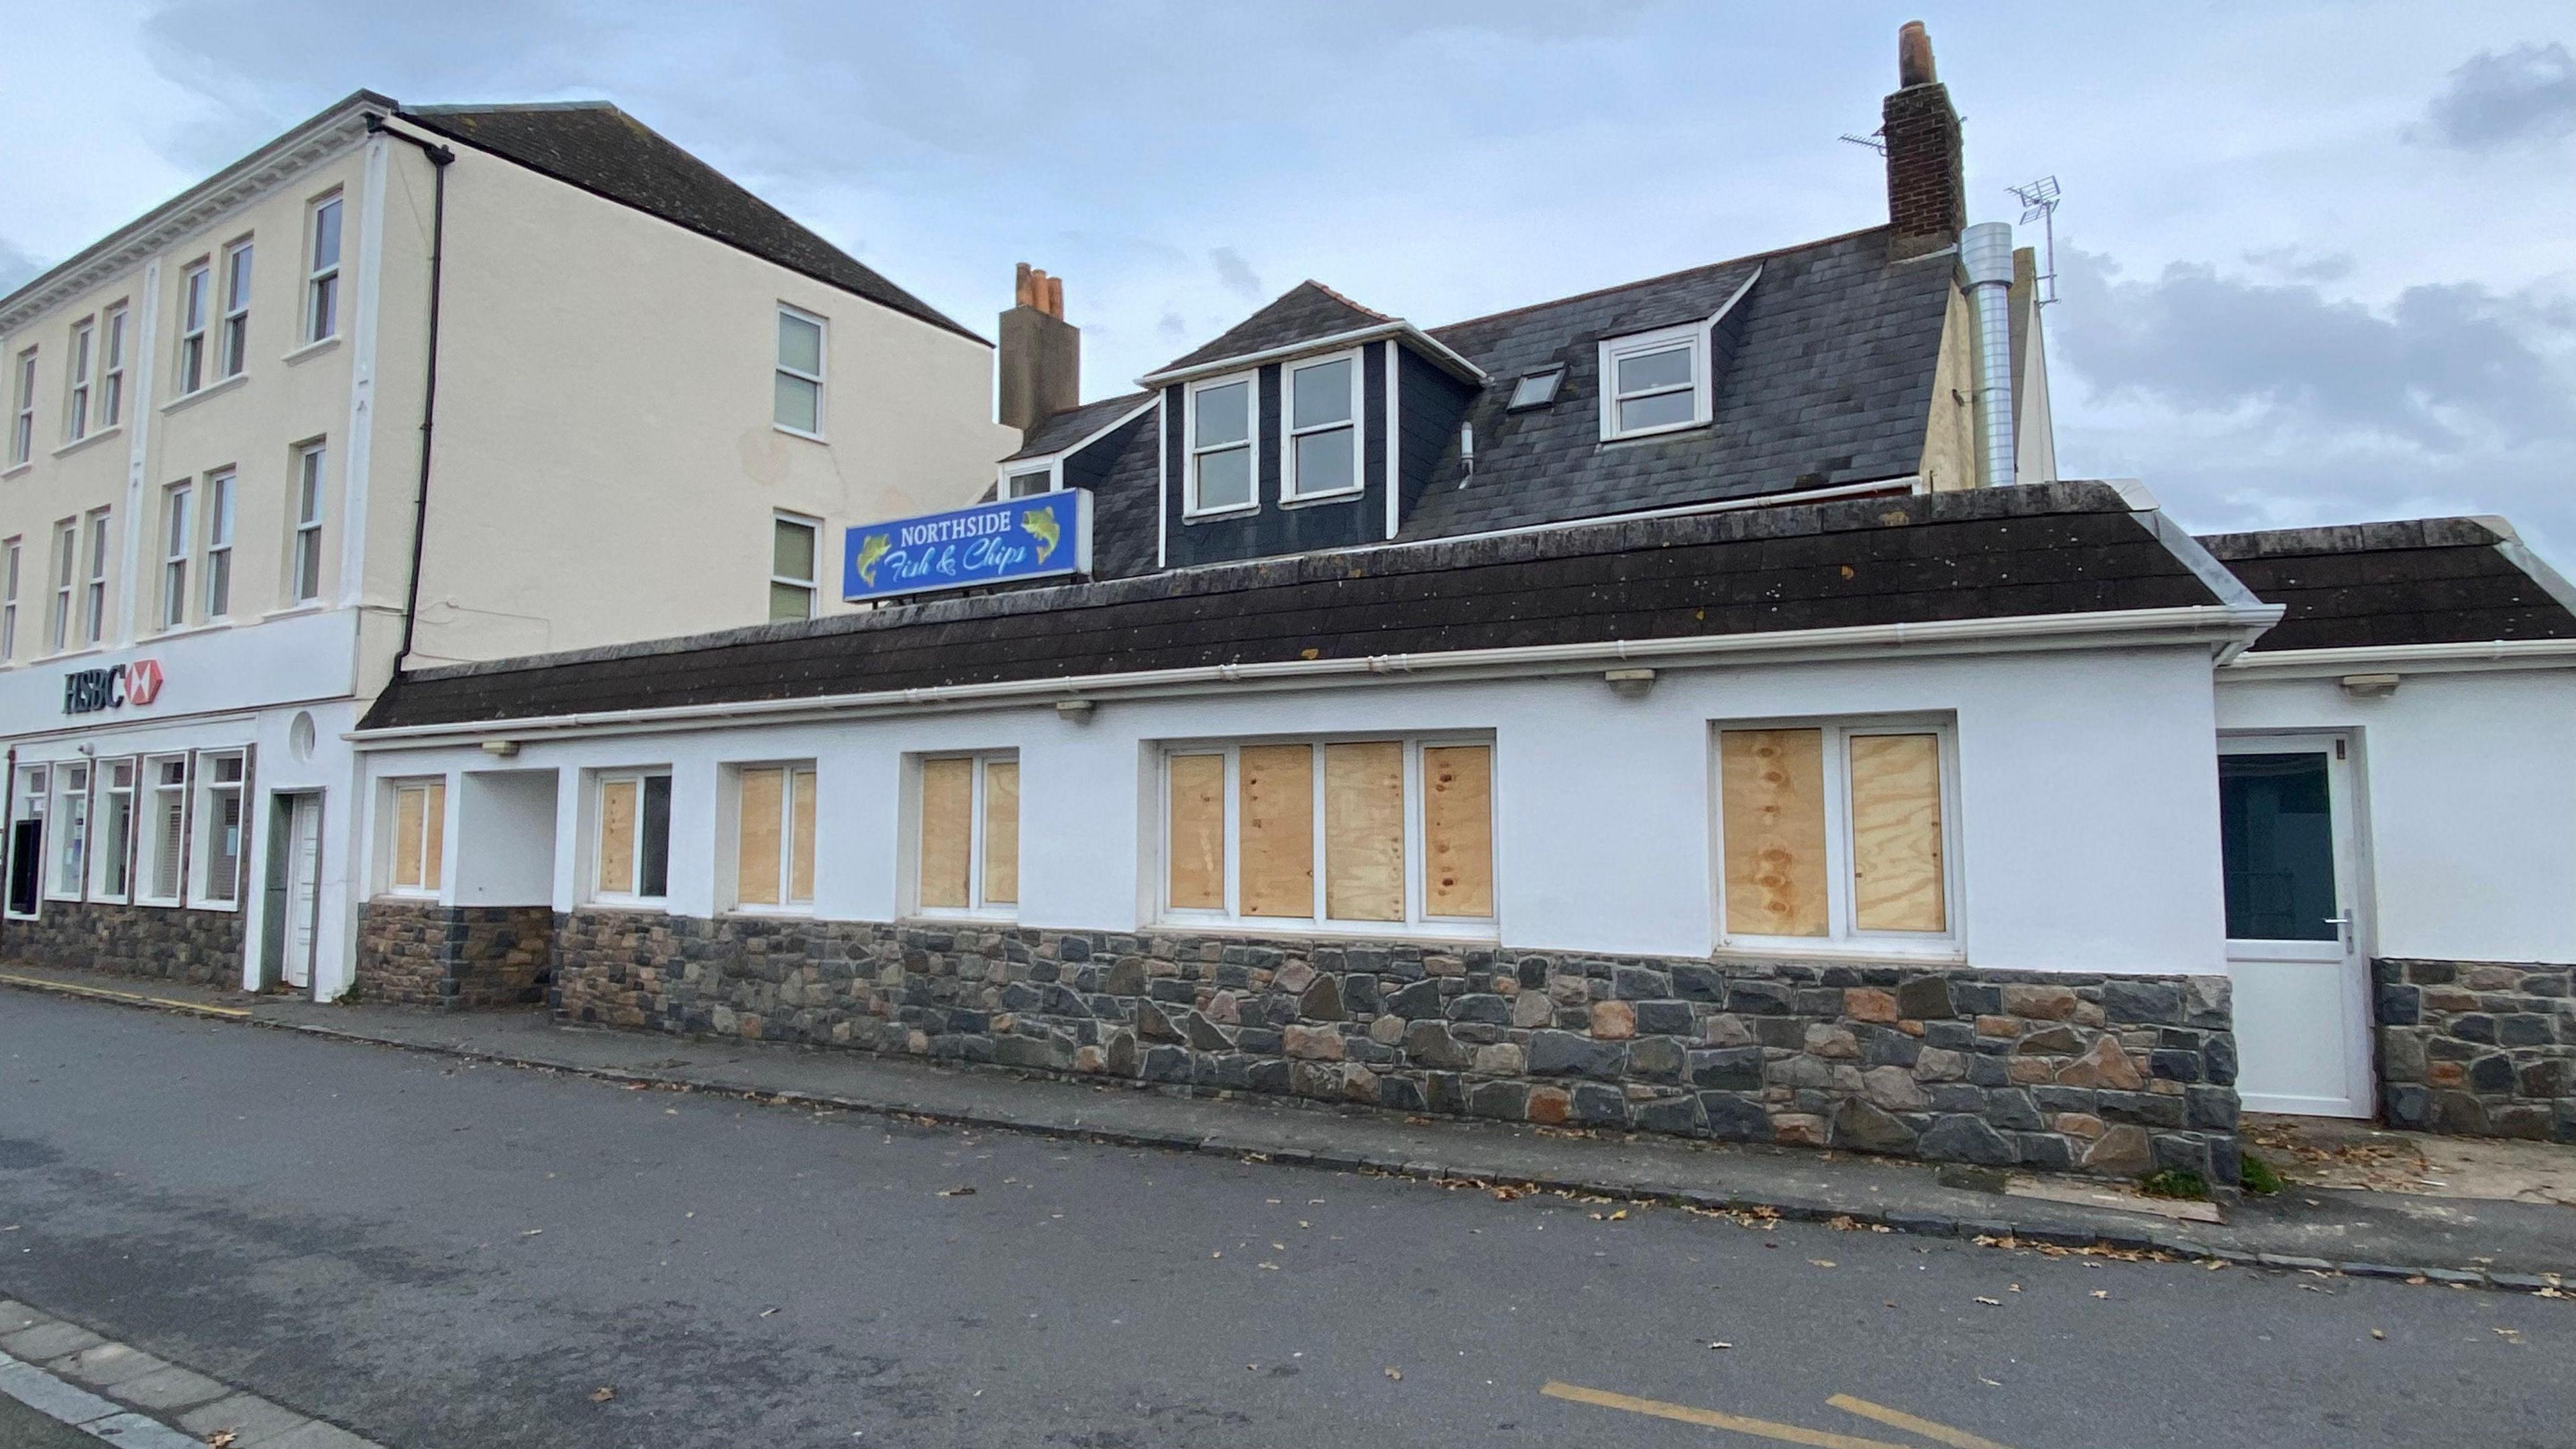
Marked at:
<point>1273,1267</point>
<point>1396,1374</point>
<point>957,1192</point>
<point>1721,1343</point>
<point>532,1232</point>
<point>1620,1214</point>
<point>1992,1302</point>
<point>767,1312</point>
<point>2379,1333</point>
<point>2101,1292</point>
<point>1821,1262</point>
<point>221,1438</point>
<point>602,1394</point>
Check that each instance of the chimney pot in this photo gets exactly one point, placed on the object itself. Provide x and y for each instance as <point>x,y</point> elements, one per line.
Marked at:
<point>1021,292</point>
<point>1040,360</point>
<point>1914,55</point>
<point>1055,296</point>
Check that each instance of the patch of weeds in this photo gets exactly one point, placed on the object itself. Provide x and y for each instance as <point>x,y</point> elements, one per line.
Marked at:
<point>2258,1177</point>
<point>2175,1182</point>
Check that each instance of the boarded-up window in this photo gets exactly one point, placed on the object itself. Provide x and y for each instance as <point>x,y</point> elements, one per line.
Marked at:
<point>1364,831</point>
<point>1897,884</point>
<point>420,835</point>
<point>1349,815</point>
<point>1458,830</point>
<point>970,833</point>
<point>1833,831</point>
<point>800,858</point>
<point>1195,836</point>
<point>617,817</point>
<point>1773,786</point>
<point>633,849</point>
<point>774,836</point>
<point>1277,810</point>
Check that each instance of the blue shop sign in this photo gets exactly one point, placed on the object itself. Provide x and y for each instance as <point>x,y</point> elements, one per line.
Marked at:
<point>1042,536</point>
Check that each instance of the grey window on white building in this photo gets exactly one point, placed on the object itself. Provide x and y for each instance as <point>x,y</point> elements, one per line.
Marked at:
<point>9,565</point>
<point>236,308</point>
<point>115,828</point>
<point>799,403</point>
<point>94,588</point>
<point>192,329</point>
<point>58,626</point>
<point>176,532</point>
<point>22,417</point>
<point>322,272</point>
<point>219,844</point>
<point>70,828</point>
<point>304,564</point>
<point>219,545</point>
<point>168,828</point>
<point>793,551</point>
<point>111,377</point>
<point>76,404</point>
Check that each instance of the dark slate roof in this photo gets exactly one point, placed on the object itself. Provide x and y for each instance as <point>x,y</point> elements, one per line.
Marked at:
<point>1071,426</point>
<point>1986,553</point>
<point>2423,581</point>
<point>1304,313</point>
<point>603,150</point>
<point>1830,383</point>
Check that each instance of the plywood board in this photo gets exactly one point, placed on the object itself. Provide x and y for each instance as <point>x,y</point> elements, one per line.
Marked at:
<point>1277,814</point>
<point>800,865</point>
<point>947,820</point>
<point>1364,831</point>
<point>756,850</point>
<point>617,837</point>
<point>1771,785</point>
<point>1195,833</point>
<point>1001,832</point>
<point>1897,880</point>
<point>407,811</point>
<point>433,849</point>
<point>1458,830</point>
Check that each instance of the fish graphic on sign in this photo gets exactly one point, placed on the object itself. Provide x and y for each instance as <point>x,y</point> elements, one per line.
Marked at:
<point>871,548</point>
<point>1041,525</point>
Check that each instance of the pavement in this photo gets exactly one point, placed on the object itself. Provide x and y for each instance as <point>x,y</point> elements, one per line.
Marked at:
<point>432,1250</point>
<point>2329,1219</point>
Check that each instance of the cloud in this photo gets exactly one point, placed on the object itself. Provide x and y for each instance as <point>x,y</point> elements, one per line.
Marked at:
<point>16,267</point>
<point>2498,99</point>
<point>1236,274</point>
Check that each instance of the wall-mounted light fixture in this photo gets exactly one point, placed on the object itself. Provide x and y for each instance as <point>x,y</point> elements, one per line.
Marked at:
<point>2370,686</point>
<point>1073,711</point>
<point>1629,683</point>
<point>500,749</point>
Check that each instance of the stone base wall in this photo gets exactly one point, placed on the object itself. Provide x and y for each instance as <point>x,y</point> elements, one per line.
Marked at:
<point>2480,1048</point>
<point>2112,1075</point>
<point>420,953</point>
<point>165,943</point>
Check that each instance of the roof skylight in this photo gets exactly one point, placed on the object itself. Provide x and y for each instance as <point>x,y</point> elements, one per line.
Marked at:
<point>1537,389</point>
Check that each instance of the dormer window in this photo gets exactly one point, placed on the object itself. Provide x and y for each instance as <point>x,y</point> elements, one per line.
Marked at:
<point>1029,484</point>
<point>1221,431</point>
<point>1323,436</point>
<point>1654,382</point>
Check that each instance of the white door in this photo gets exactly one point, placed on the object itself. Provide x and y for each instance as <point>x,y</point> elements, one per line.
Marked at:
<point>303,865</point>
<point>2293,925</point>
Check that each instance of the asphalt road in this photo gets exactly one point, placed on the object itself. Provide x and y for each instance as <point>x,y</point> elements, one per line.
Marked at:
<point>438,1254</point>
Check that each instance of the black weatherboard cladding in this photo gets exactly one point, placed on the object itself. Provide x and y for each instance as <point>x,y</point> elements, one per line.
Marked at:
<point>604,151</point>
<point>1278,528</point>
<point>2423,581</point>
<point>2060,548</point>
<point>1429,406</point>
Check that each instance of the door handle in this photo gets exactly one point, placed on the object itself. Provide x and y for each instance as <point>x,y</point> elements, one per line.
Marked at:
<point>2342,922</point>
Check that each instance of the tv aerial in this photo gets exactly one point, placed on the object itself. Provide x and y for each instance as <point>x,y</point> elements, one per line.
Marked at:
<point>2039,203</point>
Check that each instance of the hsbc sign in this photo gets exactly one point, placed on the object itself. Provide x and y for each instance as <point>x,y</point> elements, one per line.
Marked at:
<point>86,691</point>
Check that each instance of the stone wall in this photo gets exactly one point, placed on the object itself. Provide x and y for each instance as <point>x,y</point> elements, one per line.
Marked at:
<point>166,943</point>
<point>2477,1047</point>
<point>421,953</point>
<point>2113,1075</point>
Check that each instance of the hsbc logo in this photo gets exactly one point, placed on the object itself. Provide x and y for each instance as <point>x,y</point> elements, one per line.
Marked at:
<point>86,691</point>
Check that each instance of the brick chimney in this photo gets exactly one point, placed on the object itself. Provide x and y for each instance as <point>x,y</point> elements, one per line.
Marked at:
<point>1041,359</point>
<point>1927,192</point>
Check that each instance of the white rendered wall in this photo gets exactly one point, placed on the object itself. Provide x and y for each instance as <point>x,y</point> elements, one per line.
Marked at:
<point>2088,798</point>
<point>2469,787</point>
<point>503,843</point>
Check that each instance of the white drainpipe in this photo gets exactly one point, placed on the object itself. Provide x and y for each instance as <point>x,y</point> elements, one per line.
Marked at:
<point>1986,253</point>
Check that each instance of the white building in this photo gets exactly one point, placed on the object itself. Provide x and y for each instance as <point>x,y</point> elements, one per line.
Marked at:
<point>403,387</point>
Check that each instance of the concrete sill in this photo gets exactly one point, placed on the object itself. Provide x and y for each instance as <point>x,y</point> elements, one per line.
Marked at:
<point>203,393</point>
<point>311,350</point>
<point>88,440</point>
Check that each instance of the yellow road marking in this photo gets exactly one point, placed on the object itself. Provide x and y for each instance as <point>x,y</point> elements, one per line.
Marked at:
<point>103,994</point>
<point>1897,1419</point>
<point>1711,1418</point>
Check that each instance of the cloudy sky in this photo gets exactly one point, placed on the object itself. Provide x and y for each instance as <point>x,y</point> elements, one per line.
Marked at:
<point>2316,259</point>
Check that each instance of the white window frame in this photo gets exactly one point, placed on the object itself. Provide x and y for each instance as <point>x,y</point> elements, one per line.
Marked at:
<point>66,563</point>
<point>22,421</point>
<point>76,399</point>
<point>1289,432</point>
<point>322,276</point>
<point>28,795</point>
<point>1044,473</point>
<point>1842,937</point>
<point>149,787</point>
<point>976,908</point>
<point>67,830</point>
<point>1695,334</point>
<point>12,561</point>
<point>111,376</point>
<point>812,583</point>
<point>822,364</point>
<point>196,292</point>
<point>105,796</point>
<point>729,863</point>
<point>394,790</point>
<point>204,815</point>
<point>1417,921</point>
<point>216,576</point>
<point>178,541</point>
<point>600,780</point>
<point>1192,452</point>
<point>234,354</point>
<point>304,544</point>
<point>94,532</point>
